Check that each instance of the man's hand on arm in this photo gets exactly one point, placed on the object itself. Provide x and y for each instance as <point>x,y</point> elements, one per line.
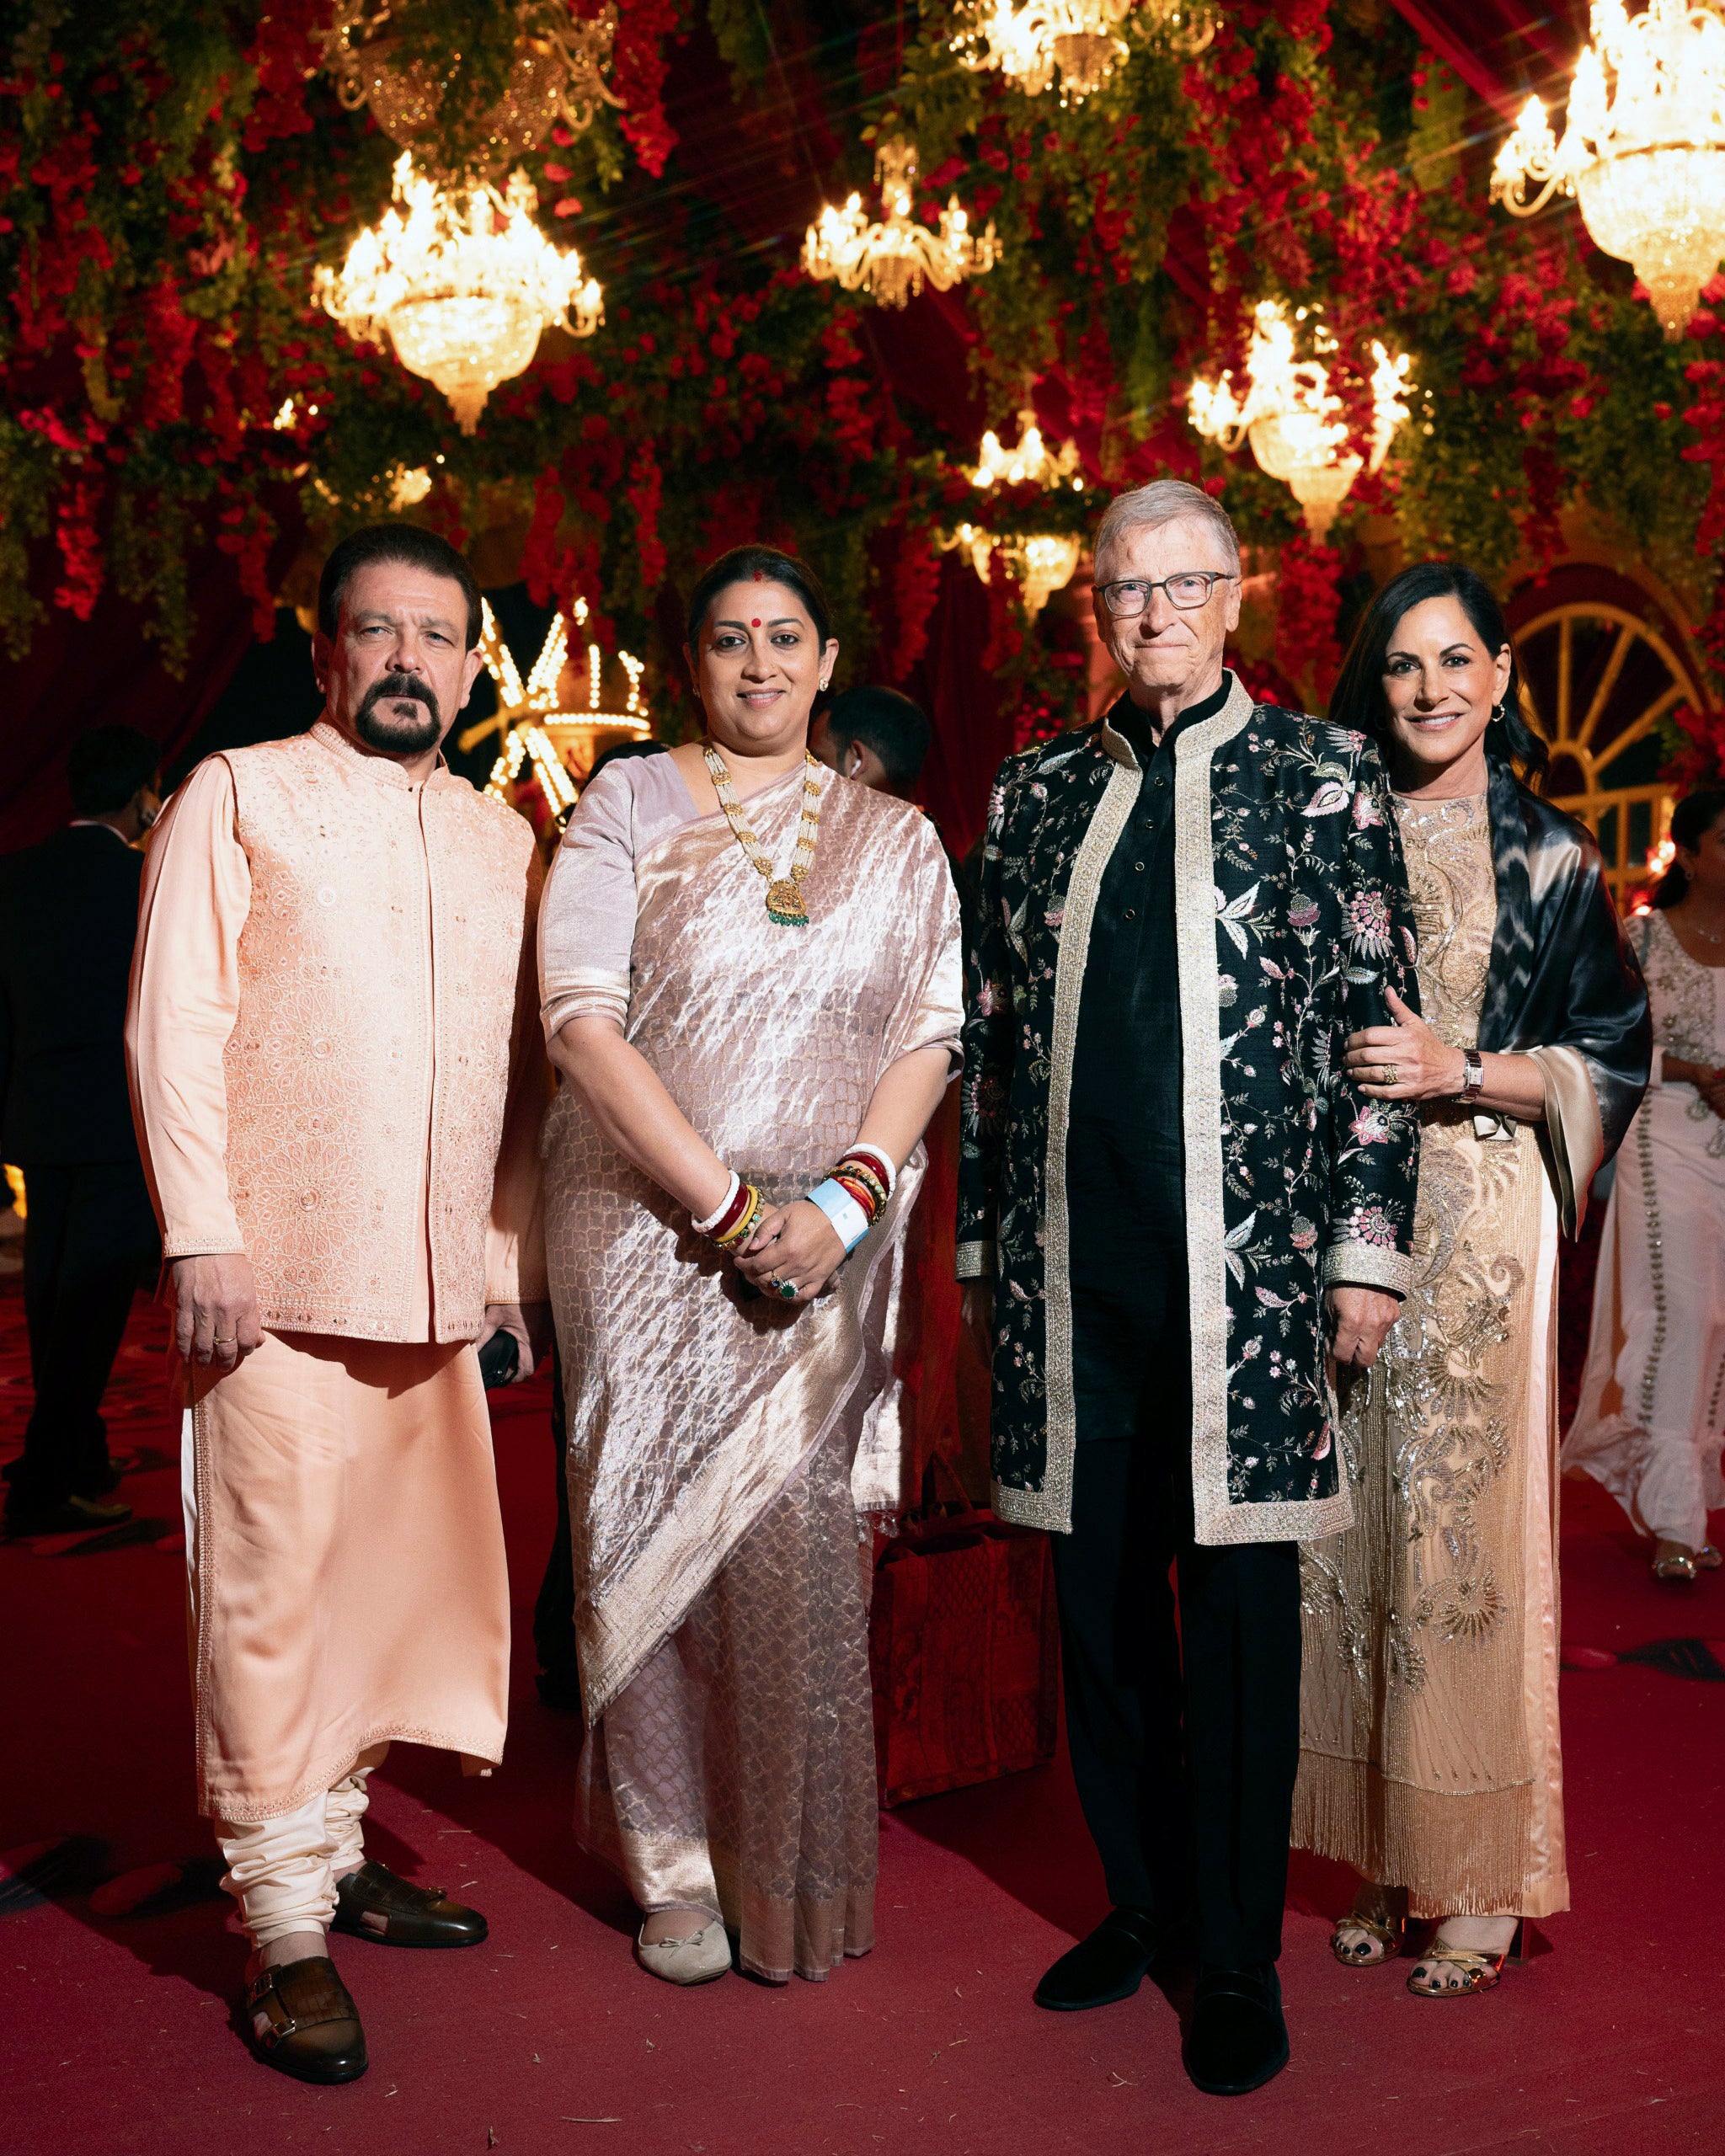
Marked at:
<point>1359,1318</point>
<point>215,1309</point>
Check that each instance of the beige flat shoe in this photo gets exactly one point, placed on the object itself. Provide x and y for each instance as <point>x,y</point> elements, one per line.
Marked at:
<point>696,1959</point>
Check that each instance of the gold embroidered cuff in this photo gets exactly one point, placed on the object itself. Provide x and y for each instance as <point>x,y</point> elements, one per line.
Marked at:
<point>976,1262</point>
<point>1368,1265</point>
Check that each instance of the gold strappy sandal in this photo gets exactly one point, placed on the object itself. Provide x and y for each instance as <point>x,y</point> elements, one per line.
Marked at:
<point>1479,1972</point>
<point>1388,1936</point>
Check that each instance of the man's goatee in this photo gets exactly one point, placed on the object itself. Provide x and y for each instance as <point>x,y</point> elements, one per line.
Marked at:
<point>399,736</point>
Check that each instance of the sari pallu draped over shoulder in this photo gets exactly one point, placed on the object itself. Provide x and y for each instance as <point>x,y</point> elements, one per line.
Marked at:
<point>691,1404</point>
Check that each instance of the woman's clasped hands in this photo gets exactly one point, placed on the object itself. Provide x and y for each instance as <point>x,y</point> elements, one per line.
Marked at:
<point>794,1245</point>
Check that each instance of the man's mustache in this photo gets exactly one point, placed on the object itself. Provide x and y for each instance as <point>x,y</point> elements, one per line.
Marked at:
<point>394,687</point>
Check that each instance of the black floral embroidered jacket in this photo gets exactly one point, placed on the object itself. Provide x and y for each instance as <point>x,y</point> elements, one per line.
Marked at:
<point>1292,917</point>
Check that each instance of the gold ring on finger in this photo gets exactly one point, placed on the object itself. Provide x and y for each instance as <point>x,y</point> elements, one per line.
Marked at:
<point>1388,1075</point>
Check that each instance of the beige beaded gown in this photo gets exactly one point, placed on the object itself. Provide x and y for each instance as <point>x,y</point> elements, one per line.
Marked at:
<point>721,1609</point>
<point>1429,1754</point>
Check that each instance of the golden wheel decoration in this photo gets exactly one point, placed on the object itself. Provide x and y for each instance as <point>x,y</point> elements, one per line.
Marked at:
<point>1598,677</point>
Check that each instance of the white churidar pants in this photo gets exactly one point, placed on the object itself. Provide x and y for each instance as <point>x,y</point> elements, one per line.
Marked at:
<point>282,1872</point>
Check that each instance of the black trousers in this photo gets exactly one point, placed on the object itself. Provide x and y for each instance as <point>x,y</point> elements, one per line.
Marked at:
<point>1184,1740</point>
<point>89,1243</point>
<point>554,1610</point>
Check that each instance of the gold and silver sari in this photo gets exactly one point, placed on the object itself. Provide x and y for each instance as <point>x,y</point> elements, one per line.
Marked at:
<point>721,1586</point>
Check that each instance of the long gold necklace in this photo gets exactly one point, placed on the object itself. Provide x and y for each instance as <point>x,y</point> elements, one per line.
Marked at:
<point>784,895</point>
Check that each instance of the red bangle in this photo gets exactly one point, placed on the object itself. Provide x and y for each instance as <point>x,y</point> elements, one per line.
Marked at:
<point>868,1199</point>
<point>733,1212</point>
<point>871,1156</point>
<point>863,1171</point>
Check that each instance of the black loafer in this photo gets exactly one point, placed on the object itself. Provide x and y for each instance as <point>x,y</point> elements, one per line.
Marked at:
<point>303,2021</point>
<point>1238,2039</point>
<point>1109,1965</point>
<point>63,1516</point>
<point>373,1903</point>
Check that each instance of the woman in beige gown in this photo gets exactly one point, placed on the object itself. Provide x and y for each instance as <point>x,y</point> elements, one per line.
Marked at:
<point>750,968</point>
<point>1429,1751</point>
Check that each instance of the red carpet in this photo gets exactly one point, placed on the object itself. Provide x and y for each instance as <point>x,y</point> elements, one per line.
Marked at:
<point>119,2035</point>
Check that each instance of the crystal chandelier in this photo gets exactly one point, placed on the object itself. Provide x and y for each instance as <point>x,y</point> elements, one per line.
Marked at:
<point>1031,45</point>
<point>542,720</point>
<point>1077,41</point>
<point>1043,563</point>
<point>462,285</point>
<point>1028,463</point>
<point>894,258</point>
<point>1645,156</point>
<point>557,73</point>
<point>1290,412</point>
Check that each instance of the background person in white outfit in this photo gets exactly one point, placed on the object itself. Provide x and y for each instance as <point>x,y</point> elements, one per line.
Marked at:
<point>1653,1396</point>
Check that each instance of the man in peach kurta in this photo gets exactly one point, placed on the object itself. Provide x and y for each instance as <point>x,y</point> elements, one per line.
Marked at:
<point>332,1046</point>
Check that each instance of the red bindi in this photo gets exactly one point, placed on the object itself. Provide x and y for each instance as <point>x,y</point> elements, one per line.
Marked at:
<point>756,623</point>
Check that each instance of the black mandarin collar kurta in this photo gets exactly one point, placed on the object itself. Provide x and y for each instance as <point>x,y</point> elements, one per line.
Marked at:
<point>1126,1062</point>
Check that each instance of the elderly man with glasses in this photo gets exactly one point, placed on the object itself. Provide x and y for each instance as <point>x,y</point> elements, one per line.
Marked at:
<point>1177,1221</point>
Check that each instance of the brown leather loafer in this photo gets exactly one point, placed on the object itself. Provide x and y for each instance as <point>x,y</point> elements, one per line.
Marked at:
<point>373,1903</point>
<point>302,2022</point>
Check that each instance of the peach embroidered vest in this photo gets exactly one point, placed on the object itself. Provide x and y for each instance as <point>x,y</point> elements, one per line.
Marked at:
<point>377,980</point>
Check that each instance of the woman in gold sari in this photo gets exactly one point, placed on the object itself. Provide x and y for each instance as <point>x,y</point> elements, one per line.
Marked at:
<point>751,979</point>
<point>1430,1751</point>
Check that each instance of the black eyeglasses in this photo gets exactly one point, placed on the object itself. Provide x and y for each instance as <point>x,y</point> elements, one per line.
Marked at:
<point>1189,590</point>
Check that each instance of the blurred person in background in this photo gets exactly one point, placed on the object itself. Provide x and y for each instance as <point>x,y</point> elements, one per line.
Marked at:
<point>1648,1425</point>
<point>68,913</point>
<point>874,736</point>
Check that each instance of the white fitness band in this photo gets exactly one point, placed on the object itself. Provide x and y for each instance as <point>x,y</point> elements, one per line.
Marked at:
<point>848,1219</point>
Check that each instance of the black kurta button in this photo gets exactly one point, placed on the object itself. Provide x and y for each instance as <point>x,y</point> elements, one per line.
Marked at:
<point>1130,915</point>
